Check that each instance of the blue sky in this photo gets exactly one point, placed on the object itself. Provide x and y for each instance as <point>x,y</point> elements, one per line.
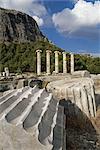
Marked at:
<point>73,25</point>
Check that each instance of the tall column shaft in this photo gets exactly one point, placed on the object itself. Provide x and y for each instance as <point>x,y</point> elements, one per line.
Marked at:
<point>38,62</point>
<point>72,63</point>
<point>48,61</point>
<point>56,62</point>
<point>64,63</point>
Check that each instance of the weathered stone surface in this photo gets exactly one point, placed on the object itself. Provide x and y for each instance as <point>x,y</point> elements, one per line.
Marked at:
<point>79,91</point>
<point>30,118</point>
<point>83,73</point>
<point>18,27</point>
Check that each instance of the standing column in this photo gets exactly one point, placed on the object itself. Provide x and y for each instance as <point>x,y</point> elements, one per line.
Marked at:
<point>38,62</point>
<point>64,62</point>
<point>56,61</point>
<point>72,63</point>
<point>48,61</point>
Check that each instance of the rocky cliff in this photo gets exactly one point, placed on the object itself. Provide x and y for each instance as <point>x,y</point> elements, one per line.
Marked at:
<point>19,27</point>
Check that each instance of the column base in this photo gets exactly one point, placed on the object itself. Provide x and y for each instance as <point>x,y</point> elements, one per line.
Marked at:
<point>48,73</point>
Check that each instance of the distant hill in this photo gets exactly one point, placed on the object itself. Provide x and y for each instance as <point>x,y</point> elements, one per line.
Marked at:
<point>19,27</point>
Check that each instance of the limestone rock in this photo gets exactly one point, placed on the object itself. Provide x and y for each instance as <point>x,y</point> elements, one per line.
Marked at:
<point>18,27</point>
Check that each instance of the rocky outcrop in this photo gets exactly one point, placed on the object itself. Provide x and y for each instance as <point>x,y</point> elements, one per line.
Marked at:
<point>19,27</point>
<point>30,118</point>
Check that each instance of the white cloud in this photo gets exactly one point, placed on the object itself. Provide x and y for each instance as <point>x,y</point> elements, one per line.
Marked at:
<point>31,7</point>
<point>39,21</point>
<point>84,16</point>
<point>28,6</point>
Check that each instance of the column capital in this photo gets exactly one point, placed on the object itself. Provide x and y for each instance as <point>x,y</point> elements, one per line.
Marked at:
<point>57,52</point>
<point>71,53</point>
<point>64,52</point>
<point>38,50</point>
<point>48,51</point>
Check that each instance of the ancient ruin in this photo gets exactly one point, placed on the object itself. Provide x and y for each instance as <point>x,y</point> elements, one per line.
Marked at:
<point>45,104</point>
<point>45,108</point>
<point>56,71</point>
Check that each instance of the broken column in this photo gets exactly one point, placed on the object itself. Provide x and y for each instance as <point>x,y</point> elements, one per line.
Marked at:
<point>48,61</point>
<point>6,71</point>
<point>57,61</point>
<point>38,62</point>
<point>64,62</point>
<point>3,74</point>
<point>79,91</point>
<point>72,63</point>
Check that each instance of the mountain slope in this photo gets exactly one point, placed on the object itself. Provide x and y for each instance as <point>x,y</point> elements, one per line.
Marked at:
<point>19,27</point>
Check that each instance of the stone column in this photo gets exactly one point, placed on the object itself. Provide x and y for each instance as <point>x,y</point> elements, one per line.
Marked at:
<point>48,62</point>
<point>7,72</point>
<point>3,74</point>
<point>72,63</point>
<point>0,74</point>
<point>64,62</point>
<point>57,61</point>
<point>38,62</point>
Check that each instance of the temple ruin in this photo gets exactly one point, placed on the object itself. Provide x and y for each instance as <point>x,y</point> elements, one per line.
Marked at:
<point>37,117</point>
<point>57,53</point>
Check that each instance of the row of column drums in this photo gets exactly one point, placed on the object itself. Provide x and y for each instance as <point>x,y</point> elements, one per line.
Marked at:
<point>48,53</point>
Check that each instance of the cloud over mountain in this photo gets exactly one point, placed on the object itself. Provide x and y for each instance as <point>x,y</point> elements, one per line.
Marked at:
<point>39,21</point>
<point>31,7</point>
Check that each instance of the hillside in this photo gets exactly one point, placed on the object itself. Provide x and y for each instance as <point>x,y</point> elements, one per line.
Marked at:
<point>22,57</point>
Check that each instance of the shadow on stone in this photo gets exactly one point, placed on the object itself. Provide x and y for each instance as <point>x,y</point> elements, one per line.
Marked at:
<point>80,132</point>
<point>97,97</point>
<point>36,82</point>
